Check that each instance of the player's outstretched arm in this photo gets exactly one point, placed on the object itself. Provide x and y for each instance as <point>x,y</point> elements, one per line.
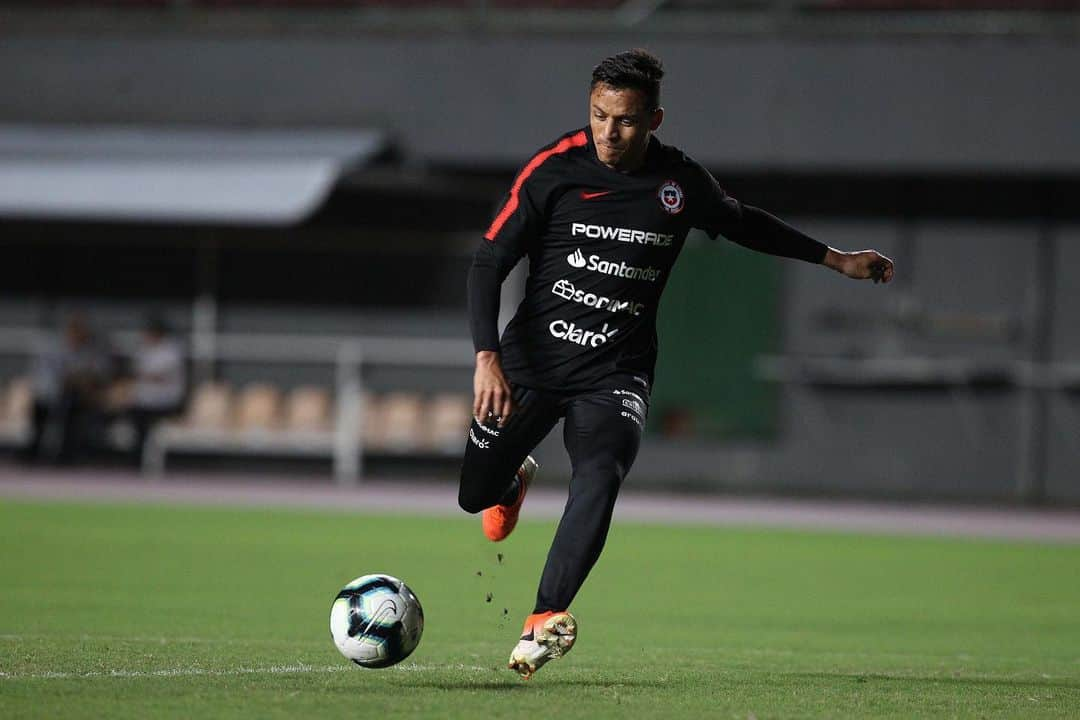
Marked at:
<point>860,265</point>
<point>758,230</point>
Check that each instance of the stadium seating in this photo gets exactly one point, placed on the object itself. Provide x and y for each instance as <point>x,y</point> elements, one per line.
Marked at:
<point>258,408</point>
<point>448,415</point>
<point>398,426</point>
<point>307,409</point>
<point>261,420</point>
<point>16,401</point>
<point>209,407</point>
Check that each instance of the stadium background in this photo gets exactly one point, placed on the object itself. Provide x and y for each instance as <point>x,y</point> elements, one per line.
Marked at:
<point>285,169</point>
<point>297,186</point>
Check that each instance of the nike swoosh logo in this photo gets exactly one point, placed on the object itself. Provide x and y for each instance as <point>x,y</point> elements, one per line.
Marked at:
<point>593,195</point>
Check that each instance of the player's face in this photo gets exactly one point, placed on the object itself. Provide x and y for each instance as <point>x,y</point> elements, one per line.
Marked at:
<point>621,124</point>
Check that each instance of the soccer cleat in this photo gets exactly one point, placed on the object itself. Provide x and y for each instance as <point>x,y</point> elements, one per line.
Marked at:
<point>546,636</point>
<point>498,521</point>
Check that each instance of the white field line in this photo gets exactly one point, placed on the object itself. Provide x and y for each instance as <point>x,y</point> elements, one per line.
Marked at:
<point>839,655</point>
<point>731,652</point>
<point>157,640</point>
<point>686,649</point>
<point>329,669</point>
<point>226,672</point>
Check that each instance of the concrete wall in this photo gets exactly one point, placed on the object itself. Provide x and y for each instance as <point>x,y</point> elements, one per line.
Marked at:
<point>963,290</point>
<point>1063,454</point>
<point>863,103</point>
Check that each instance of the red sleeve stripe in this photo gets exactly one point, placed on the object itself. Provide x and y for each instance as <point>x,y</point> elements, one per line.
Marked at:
<point>571,141</point>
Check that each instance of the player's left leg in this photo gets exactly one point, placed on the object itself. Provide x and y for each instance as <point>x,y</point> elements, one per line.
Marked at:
<point>497,467</point>
<point>602,432</point>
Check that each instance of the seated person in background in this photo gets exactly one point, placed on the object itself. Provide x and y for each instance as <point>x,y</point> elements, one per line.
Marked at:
<point>159,381</point>
<point>67,377</point>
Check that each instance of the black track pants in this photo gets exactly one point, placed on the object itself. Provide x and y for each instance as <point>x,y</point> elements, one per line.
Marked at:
<point>602,432</point>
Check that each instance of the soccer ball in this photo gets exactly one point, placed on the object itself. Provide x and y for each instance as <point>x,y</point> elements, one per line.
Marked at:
<point>376,621</point>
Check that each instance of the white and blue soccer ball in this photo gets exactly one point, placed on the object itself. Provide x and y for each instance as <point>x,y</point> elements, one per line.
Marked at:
<point>376,621</point>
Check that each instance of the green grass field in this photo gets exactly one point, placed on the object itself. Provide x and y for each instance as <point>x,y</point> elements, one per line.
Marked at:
<point>145,611</point>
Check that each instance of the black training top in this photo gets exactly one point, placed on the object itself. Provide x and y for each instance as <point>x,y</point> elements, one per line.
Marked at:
<point>601,245</point>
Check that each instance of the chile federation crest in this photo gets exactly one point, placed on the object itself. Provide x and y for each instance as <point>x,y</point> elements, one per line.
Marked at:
<point>671,197</point>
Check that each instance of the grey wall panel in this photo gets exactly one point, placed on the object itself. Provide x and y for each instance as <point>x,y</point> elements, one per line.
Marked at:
<point>931,103</point>
<point>21,311</point>
<point>108,316</point>
<point>961,289</point>
<point>954,279</point>
<point>377,379</point>
<point>324,320</point>
<point>1066,328</point>
<point>1063,438</point>
<point>928,444</point>
<point>283,376</point>
<point>1063,448</point>
<point>974,288</point>
<point>828,314</point>
<point>14,366</point>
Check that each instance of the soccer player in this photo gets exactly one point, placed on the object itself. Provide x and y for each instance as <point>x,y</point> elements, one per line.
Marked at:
<point>602,214</point>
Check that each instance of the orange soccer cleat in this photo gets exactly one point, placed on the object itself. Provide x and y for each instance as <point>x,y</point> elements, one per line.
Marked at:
<point>499,521</point>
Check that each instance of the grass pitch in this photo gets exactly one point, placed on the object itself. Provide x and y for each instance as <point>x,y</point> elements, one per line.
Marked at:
<point>145,611</point>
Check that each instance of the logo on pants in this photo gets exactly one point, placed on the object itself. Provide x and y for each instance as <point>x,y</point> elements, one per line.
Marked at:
<point>634,406</point>
<point>479,442</point>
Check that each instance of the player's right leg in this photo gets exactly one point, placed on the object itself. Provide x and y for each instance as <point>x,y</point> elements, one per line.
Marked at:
<point>497,468</point>
<point>602,431</point>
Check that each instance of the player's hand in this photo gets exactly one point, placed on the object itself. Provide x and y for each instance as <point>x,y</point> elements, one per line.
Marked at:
<point>861,265</point>
<point>493,402</point>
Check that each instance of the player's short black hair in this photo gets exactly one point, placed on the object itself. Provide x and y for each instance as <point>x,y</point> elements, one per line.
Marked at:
<point>636,69</point>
